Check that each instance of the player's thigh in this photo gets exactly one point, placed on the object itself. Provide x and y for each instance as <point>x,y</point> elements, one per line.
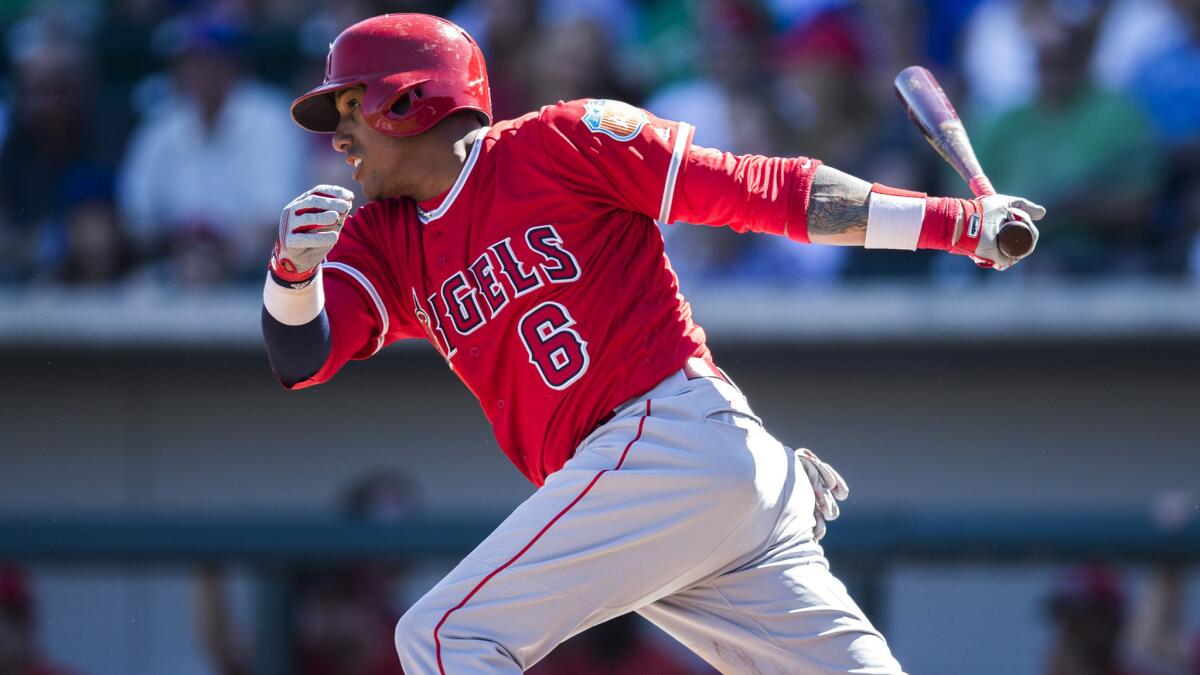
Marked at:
<point>788,615</point>
<point>638,513</point>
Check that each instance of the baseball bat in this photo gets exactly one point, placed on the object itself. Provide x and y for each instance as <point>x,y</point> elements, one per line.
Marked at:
<point>935,116</point>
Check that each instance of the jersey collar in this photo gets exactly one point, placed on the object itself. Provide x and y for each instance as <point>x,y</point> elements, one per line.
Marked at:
<point>430,216</point>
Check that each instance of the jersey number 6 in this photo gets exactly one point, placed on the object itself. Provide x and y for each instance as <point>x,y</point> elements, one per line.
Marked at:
<point>555,349</point>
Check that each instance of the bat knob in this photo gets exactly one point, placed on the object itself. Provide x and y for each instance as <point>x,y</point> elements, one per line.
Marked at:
<point>1015,239</point>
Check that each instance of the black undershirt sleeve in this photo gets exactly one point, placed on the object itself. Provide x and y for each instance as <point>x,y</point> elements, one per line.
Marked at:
<point>296,353</point>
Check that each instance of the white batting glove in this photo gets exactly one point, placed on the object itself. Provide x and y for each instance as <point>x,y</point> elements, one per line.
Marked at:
<point>308,229</point>
<point>982,220</point>
<point>828,487</point>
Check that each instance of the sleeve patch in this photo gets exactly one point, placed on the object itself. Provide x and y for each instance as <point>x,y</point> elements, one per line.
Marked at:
<point>620,120</point>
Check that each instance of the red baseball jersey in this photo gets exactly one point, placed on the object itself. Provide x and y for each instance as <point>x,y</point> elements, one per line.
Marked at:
<point>540,275</point>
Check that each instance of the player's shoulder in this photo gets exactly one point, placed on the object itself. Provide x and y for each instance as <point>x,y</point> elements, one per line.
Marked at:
<point>618,119</point>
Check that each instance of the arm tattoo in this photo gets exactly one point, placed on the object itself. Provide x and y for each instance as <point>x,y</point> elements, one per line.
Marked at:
<point>837,202</point>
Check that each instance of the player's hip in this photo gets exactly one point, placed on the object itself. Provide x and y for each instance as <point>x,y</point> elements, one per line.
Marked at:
<point>699,430</point>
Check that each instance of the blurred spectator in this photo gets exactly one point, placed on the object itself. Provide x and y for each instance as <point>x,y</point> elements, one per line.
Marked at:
<point>58,156</point>
<point>728,100</point>
<point>345,617</point>
<point>210,168</point>
<point>617,20</point>
<point>947,19</point>
<point>1159,637</point>
<point>18,639</point>
<point>1131,32</point>
<point>125,52</point>
<point>1168,85</point>
<point>1086,154</point>
<point>615,646</point>
<point>1000,42</point>
<point>998,61</point>
<point>1087,609</point>
<point>574,59</point>
<point>95,249</point>
<point>505,30</point>
<point>823,64</point>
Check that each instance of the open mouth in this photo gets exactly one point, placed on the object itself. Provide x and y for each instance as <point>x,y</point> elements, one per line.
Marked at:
<point>356,162</point>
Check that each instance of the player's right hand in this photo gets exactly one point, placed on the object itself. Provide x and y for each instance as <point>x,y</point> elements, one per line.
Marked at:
<point>308,229</point>
<point>982,220</point>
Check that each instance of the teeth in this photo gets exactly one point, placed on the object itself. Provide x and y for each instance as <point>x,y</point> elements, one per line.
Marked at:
<point>357,161</point>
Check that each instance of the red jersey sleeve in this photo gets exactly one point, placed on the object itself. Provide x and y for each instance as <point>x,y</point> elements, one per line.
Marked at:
<point>363,275</point>
<point>614,153</point>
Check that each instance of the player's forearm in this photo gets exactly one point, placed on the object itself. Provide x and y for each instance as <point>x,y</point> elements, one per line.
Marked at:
<point>840,213</point>
<point>838,208</point>
<point>296,353</point>
<point>296,330</point>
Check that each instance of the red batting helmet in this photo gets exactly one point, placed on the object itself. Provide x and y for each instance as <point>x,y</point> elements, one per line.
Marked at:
<point>416,69</point>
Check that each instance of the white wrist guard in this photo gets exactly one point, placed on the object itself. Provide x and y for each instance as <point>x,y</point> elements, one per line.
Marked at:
<point>894,220</point>
<point>294,306</point>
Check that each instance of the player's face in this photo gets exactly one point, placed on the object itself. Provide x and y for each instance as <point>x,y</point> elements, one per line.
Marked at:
<point>379,160</point>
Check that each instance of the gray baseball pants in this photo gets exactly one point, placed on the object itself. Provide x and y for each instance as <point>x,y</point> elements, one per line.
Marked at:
<point>681,508</point>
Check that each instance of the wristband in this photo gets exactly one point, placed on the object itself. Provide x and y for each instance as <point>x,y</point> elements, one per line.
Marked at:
<point>290,284</point>
<point>902,219</point>
<point>285,270</point>
<point>941,219</point>
<point>291,305</point>
<point>968,241</point>
<point>894,218</point>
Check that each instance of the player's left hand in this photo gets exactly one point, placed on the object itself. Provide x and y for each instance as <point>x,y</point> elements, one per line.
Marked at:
<point>308,229</point>
<point>828,487</point>
<point>982,220</point>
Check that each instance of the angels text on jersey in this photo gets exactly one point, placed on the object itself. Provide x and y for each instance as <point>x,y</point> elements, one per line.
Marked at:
<point>468,299</point>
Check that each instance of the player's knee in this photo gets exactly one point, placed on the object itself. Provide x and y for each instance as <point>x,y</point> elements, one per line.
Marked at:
<point>414,634</point>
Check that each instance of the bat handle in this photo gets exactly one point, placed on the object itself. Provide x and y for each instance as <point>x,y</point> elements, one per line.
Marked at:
<point>981,186</point>
<point>1015,239</point>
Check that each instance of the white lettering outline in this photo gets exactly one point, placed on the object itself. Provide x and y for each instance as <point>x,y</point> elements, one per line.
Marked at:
<point>555,241</point>
<point>459,299</point>
<point>507,244</point>
<point>488,270</point>
<point>566,327</point>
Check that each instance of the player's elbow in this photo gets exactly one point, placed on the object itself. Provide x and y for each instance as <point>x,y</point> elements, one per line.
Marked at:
<point>292,384</point>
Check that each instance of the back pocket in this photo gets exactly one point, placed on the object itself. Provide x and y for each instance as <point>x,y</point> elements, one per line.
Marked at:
<point>732,417</point>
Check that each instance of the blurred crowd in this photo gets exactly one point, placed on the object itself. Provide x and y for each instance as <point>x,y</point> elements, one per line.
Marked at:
<point>149,141</point>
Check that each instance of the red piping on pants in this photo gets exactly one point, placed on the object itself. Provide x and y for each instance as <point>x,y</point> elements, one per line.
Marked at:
<point>437,642</point>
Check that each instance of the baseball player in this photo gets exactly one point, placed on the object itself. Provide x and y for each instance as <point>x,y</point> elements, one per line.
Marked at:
<point>526,252</point>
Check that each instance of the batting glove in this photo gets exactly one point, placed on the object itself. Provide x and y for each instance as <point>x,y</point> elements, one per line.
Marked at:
<point>308,229</point>
<point>982,220</point>
<point>828,486</point>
